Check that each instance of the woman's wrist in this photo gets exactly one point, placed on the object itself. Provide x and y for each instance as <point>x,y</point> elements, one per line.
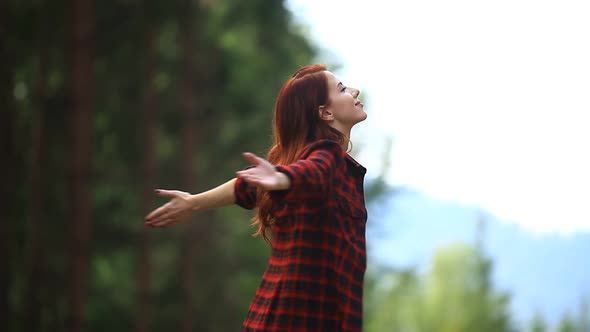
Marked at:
<point>283,181</point>
<point>193,201</point>
<point>219,196</point>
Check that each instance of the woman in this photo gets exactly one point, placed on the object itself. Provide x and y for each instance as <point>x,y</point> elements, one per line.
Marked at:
<point>311,209</point>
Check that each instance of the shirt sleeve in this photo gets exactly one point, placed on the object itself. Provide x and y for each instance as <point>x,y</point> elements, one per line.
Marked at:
<point>245,194</point>
<point>312,176</point>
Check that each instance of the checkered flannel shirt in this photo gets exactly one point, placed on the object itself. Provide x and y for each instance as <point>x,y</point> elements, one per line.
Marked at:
<point>314,278</point>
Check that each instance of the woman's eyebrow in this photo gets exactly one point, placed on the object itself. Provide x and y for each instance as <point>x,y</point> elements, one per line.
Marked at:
<point>339,84</point>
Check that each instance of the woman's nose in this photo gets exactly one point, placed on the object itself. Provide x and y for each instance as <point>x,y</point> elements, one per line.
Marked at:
<point>356,93</point>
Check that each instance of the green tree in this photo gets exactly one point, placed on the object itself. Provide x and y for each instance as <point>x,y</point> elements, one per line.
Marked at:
<point>84,117</point>
<point>9,168</point>
<point>584,315</point>
<point>459,296</point>
<point>395,303</point>
<point>538,323</point>
<point>83,92</point>
<point>567,324</point>
<point>454,295</point>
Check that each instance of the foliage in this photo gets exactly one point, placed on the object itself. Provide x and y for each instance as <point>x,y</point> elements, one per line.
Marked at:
<point>455,295</point>
<point>241,51</point>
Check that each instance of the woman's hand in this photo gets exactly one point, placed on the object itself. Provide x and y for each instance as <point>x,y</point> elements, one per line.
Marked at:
<point>176,211</point>
<point>263,174</point>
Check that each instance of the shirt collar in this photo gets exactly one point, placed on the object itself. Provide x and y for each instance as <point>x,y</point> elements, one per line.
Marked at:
<point>357,168</point>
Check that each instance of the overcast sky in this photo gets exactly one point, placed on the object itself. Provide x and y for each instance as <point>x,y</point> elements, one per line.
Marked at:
<point>487,102</point>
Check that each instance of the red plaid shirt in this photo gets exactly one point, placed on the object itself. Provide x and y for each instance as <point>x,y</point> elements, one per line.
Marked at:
<point>314,279</point>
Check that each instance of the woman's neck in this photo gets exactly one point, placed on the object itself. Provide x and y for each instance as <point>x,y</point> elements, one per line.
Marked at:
<point>346,133</point>
<point>345,144</point>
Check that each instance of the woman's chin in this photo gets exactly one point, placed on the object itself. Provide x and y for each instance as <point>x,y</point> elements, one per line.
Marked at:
<point>364,116</point>
<point>360,119</point>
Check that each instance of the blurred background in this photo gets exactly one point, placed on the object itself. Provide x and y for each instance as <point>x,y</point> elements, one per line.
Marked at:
<point>476,145</point>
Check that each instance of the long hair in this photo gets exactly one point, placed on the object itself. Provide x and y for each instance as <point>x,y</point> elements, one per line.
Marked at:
<point>296,125</point>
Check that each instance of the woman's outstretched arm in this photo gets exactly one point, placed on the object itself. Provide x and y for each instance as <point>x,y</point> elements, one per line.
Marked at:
<point>309,178</point>
<point>182,204</point>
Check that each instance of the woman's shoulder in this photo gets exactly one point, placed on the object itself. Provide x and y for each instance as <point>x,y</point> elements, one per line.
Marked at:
<point>327,145</point>
<point>333,149</point>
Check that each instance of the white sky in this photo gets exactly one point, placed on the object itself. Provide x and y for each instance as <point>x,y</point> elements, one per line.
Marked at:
<point>487,102</point>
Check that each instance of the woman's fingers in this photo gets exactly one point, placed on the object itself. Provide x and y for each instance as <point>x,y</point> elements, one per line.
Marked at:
<point>167,193</point>
<point>167,214</point>
<point>158,212</point>
<point>171,213</point>
<point>257,180</point>
<point>172,194</point>
<point>248,175</point>
<point>164,219</point>
<point>262,166</point>
<point>168,220</point>
<point>260,163</point>
<point>251,158</point>
<point>162,223</point>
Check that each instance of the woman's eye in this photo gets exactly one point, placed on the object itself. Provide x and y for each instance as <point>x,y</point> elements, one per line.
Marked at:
<point>343,89</point>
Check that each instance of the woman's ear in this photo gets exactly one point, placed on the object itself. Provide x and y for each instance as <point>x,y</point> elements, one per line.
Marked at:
<point>325,113</point>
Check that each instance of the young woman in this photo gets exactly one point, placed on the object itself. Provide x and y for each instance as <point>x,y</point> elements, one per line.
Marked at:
<point>311,209</point>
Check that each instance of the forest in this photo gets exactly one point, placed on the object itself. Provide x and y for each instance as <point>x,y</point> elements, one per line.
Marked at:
<point>104,101</point>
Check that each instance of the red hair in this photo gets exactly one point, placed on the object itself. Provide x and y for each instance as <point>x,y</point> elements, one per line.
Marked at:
<point>296,125</point>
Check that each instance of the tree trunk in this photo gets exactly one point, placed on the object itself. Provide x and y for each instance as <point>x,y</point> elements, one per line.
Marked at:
<point>148,133</point>
<point>34,267</point>
<point>189,111</point>
<point>83,88</point>
<point>7,166</point>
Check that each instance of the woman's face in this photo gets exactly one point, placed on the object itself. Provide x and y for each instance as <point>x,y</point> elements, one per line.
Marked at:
<point>344,109</point>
